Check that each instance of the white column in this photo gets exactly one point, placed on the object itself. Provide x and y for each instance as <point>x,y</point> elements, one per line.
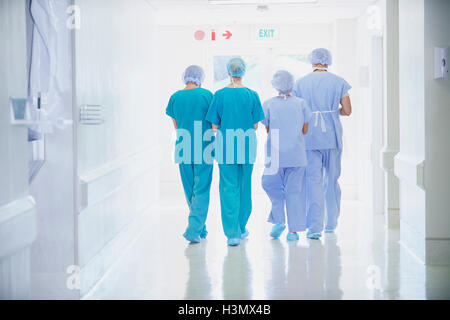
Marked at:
<point>410,160</point>
<point>391,113</point>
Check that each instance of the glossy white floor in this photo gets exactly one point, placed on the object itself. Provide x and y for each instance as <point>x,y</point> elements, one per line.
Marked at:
<point>360,261</point>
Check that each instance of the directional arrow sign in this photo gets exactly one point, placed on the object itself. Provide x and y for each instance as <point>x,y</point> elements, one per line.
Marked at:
<point>227,35</point>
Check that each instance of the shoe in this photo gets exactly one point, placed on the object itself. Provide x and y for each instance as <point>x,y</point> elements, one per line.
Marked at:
<point>195,240</point>
<point>314,235</point>
<point>277,230</point>
<point>330,230</point>
<point>292,236</point>
<point>233,242</point>
<point>245,234</point>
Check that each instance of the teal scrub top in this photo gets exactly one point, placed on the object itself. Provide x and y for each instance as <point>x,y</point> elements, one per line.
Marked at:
<point>189,108</point>
<point>235,111</point>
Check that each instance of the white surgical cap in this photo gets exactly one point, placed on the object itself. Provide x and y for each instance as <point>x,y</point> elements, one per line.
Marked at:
<point>283,81</point>
<point>320,56</point>
<point>236,67</point>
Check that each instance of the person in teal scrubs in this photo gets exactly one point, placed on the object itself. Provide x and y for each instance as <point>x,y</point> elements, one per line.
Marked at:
<point>188,108</point>
<point>235,111</point>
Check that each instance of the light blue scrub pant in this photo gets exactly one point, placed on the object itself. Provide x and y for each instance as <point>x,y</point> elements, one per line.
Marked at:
<point>286,189</point>
<point>196,179</point>
<point>235,188</point>
<point>322,188</point>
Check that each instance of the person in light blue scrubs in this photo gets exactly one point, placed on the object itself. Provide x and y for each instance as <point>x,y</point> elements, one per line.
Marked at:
<point>324,92</point>
<point>188,108</point>
<point>235,111</point>
<point>286,120</point>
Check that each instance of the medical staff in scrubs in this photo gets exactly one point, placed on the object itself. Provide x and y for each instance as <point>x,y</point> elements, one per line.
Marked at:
<point>235,111</point>
<point>188,108</point>
<point>324,92</point>
<point>283,179</point>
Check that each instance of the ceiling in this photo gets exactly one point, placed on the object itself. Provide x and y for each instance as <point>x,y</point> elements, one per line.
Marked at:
<point>176,12</point>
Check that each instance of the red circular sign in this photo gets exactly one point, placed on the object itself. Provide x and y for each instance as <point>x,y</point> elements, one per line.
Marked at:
<point>199,35</point>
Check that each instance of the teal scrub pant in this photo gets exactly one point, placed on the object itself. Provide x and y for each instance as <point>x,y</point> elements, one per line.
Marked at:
<point>235,188</point>
<point>196,179</point>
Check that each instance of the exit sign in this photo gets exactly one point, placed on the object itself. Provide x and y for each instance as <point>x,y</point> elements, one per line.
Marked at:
<point>265,33</point>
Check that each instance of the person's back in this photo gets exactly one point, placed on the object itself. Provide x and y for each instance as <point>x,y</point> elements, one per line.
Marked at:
<point>287,116</point>
<point>188,108</point>
<point>324,92</point>
<point>235,111</point>
<point>286,121</point>
<point>326,129</point>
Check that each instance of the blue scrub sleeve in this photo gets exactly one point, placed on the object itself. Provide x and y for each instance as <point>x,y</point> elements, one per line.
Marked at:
<point>307,114</point>
<point>345,88</point>
<point>257,112</point>
<point>296,91</point>
<point>169,109</point>
<point>266,120</point>
<point>212,115</point>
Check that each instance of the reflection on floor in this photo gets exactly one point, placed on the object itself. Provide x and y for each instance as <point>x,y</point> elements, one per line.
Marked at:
<point>360,261</point>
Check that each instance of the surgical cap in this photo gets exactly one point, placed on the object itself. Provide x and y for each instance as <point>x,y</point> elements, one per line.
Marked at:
<point>320,56</point>
<point>236,67</point>
<point>194,74</point>
<point>283,81</point>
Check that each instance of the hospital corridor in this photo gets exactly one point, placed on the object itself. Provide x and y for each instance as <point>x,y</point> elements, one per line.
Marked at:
<point>94,206</point>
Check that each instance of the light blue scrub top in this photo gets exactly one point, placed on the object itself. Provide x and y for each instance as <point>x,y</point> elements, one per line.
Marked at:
<point>288,116</point>
<point>323,92</point>
<point>235,108</point>
<point>186,107</point>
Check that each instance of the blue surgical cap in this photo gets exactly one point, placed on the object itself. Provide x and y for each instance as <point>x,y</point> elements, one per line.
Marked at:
<point>236,67</point>
<point>194,74</point>
<point>283,81</point>
<point>320,56</point>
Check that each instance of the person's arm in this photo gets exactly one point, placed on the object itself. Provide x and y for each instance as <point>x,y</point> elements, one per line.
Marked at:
<point>346,104</point>
<point>307,114</point>
<point>257,112</point>
<point>267,129</point>
<point>170,112</point>
<point>305,128</point>
<point>212,116</point>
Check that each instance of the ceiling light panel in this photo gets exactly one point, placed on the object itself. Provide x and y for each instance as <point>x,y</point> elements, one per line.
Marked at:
<point>260,2</point>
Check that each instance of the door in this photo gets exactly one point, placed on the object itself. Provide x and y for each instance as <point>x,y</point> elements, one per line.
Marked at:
<point>17,213</point>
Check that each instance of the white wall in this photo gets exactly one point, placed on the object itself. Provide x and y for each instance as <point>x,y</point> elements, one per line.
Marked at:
<point>117,161</point>
<point>424,132</point>
<point>437,133</point>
